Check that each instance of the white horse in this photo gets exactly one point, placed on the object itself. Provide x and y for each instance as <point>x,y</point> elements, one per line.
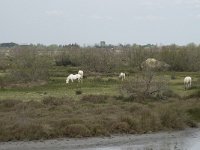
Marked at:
<point>81,73</point>
<point>73,77</point>
<point>187,82</point>
<point>122,76</point>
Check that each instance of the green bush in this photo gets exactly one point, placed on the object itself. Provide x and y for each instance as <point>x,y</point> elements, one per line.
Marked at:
<point>78,92</point>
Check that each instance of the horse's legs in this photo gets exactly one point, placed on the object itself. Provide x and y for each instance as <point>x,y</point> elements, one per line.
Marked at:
<point>188,86</point>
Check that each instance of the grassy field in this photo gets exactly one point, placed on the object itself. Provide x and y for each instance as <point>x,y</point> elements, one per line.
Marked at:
<point>54,109</point>
<point>94,84</point>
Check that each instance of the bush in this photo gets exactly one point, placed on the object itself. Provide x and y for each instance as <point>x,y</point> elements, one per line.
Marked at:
<point>147,85</point>
<point>78,92</point>
<point>9,103</point>
<point>120,127</point>
<point>97,130</point>
<point>195,113</point>
<point>64,60</point>
<point>76,130</point>
<point>133,123</point>
<point>21,131</point>
<point>172,119</point>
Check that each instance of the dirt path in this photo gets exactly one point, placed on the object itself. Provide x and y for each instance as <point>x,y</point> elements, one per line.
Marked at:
<point>188,139</point>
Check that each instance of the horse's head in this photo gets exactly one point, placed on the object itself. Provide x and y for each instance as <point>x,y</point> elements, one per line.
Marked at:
<point>78,76</point>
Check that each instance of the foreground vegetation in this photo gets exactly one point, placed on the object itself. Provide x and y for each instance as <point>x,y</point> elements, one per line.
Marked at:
<point>95,107</point>
<point>36,103</point>
<point>93,116</point>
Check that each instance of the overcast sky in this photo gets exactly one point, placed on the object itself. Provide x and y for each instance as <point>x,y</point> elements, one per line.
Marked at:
<point>91,21</point>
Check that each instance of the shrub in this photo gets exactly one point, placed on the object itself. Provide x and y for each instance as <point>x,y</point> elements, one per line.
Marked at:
<point>133,123</point>
<point>172,119</point>
<point>9,103</point>
<point>120,127</point>
<point>195,113</point>
<point>78,92</point>
<point>97,130</point>
<point>76,130</point>
<point>147,85</point>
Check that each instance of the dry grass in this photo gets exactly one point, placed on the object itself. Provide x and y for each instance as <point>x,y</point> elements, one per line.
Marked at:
<point>92,115</point>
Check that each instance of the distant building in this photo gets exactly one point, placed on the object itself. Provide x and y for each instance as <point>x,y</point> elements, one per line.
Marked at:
<point>102,44</point>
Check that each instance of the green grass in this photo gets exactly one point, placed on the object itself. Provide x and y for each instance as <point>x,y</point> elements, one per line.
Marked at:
<point>104,85</point>
<point>178,87</point>
<point>58,87</point>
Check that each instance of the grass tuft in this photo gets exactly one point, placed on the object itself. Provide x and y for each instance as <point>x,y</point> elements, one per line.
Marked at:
<point>94,98</point>
<point>76,130</point>
<point>53,101</point>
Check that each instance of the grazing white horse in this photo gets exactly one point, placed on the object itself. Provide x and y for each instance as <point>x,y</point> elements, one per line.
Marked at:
<point>122,76</point>
<point>81,73</point>
<point>187,82</point>
<point>73,77</point>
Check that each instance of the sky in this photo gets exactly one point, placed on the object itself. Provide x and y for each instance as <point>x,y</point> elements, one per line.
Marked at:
<point>87,22</point>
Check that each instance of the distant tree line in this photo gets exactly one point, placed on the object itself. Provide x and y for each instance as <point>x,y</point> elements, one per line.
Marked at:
<point>9,45</point>
<point>180,58</point>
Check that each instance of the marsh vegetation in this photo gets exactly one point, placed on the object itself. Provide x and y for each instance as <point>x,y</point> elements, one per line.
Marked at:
<point>36,102</point>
